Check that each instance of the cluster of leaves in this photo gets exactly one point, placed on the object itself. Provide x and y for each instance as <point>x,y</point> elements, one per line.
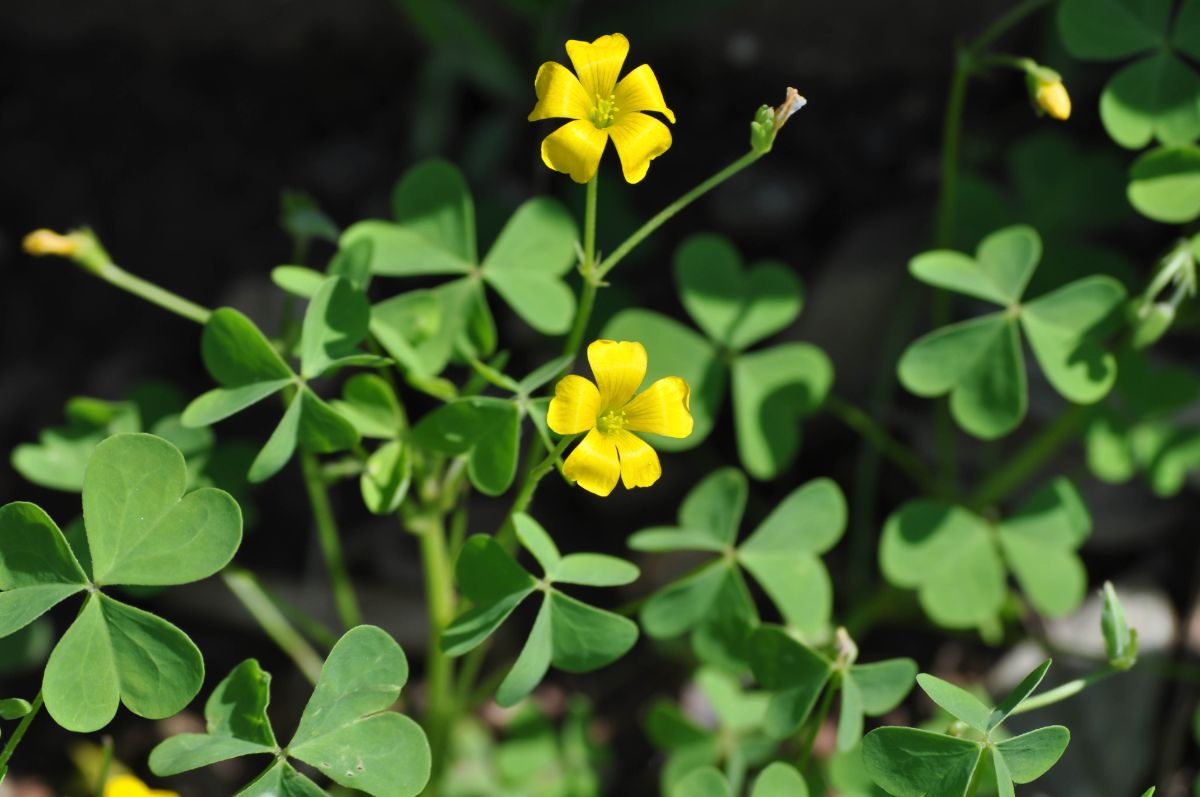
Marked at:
<point>735,308</point>
<point>346,732</point>
<point>1156,98</point>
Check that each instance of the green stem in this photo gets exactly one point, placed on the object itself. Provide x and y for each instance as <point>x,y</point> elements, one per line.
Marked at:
<point>587,295</point>
<point>15,739</point>
<point>525,494</point>
<point>670,210</point>
<point>1026,462</point>
<point>115,275</point>
<point>1006,22</point>
<point>250,592</point>
<point>439,598</point>
<point>811,738</point>
<point>331,545</point>
<point>105,764</point>
<point>899,454</point>
<point>1060,693</point>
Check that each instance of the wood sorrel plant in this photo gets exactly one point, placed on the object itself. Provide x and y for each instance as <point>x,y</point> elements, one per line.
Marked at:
<point>158,488</point>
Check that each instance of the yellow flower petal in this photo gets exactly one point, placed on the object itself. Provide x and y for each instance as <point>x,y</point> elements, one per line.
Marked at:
<point>598,64</point>
<point>663,408</point>
<point>639,462</point>
<point>575,149</point>
<point>129,786</point>
<point>639,139</point>
<point>594,465</point>
<point>575,406</point>
<point>619,368</point>
<point>639,91</point>
<point>559,94</point>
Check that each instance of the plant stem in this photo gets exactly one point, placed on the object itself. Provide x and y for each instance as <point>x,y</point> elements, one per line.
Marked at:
<point>105,764</point>
<point>15,739</point>
<point>811,738</point>
<point>1026,462</point>
<point>525,494</point>
<point>670,210</point>
<point>115,275</point>
<point>439,598</point>
<point>331,545</point>
<point>1006,22</point>
<point>247,589</point>
<point>899,454</point>
<point>587,294</point>
<point>1060,693</point>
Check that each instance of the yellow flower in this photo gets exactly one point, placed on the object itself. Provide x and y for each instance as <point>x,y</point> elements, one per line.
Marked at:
<point>601,108</point>
<point>610,413</point>
<point>129,786</point>
<point>1052,97</point>
<point>47,242</point>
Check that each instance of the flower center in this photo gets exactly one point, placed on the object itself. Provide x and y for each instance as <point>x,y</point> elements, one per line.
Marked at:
<point>604,111</point>
<point>611,421</point>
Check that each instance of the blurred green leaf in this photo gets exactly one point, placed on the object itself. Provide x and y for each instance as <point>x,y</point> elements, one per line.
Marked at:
<point>303,219</point>
<point>1164,184</point>
<point>779,780</point>
<point>1155,98</point>
<point>1120,641</point>
<point>385,481</point>
<point>1108,30</point>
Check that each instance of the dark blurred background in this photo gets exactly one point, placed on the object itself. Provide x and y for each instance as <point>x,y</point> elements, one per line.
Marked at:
<point>172,128</point>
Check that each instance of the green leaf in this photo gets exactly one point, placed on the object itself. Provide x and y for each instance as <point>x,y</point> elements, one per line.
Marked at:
<point>735,307</point>
<point>1157,97</point>
<point>60,456</point>
<point>236,725</point>
<point>369,403</point>
<point>298,280</point>
<point>418,329</point>
<point>958,701</point>
<point>722,637</point>
<point>433,199</point>
<point>883,684</point>
<point>486,429</point>
<point>353,262</point>
<point>907,762</point>
<point>535,540</point>
<point>242,361</point>
<point>141,528</point>
<point>12,708</point>
<point>526,265</point>
<point>593,570</point>
<point>1109,30</point>
<point>703,782</point>
<point>308,422</point>
<point>1004,784</point>
<point>302,218</point>
<point>281,780</point>
<point>346,731</point>
<point>685,603</point>
<point>1164,184</point>
<point>37,568</point>
<point>772,390</point>
<point>532,664</point>
<point>132,656</point>
<point>585,638</point>
<point>737,709</point>
<point>490,579</point>
<point>947,554</point>
<point>715,506</point>
<point>403,250</point>
<point>782,553</point>
<point>1018,695</point>
<point>979,362</point>
<point>1030,755</point>
<point>1065,328</point>
<point>675,350</point>
<point>850,718</point>
<point>1039,545</point>
<point>1120,642</point>
<point>385,482</point>
<point>669,729</point>
<point>779,780</point>
<point>334,324</point>
<point>793,671</point>
<point>954,271</point>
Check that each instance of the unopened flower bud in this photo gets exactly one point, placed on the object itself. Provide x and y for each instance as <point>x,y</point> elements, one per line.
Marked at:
<point>768,121</point>
<point>1052,97</point>
<point>47,242</point>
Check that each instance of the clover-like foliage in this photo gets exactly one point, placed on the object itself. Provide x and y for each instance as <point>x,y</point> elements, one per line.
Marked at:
<point>957,560</point>
<point>369,402</point>
<point>908,762</point>
<point>567,633</point>
<point>736,308</point>
<point>1138,428</point>
<point>346,731</point>
<point>1156,96</point>
<point>249,370</point>
<point>980,363</point>
<point>797,675</point>
<point>433,232</point>
<point>776,780</point>
<point>141,529</point>
<point>782,555</point>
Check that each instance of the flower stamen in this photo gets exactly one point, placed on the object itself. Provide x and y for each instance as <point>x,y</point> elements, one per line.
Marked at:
<point>605,111</point>
<point>611,421</point>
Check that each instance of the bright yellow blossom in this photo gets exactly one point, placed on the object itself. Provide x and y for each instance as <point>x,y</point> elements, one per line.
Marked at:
<point>129,786</point>
<point>601,108</point>
<point>47,242</point>
<point>1052,97</point>
<point>610,413</point>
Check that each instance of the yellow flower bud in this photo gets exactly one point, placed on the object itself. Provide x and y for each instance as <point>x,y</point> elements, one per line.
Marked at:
<point>1052,97</point>
<point>47,242</point>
